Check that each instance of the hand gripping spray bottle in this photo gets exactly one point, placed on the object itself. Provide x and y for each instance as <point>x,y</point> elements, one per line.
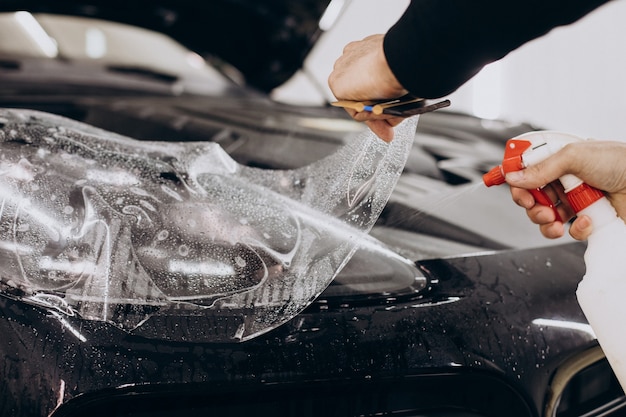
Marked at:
<point>601,292</point>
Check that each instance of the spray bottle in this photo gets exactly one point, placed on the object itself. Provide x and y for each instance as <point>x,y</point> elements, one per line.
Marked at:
<point>601,292</point>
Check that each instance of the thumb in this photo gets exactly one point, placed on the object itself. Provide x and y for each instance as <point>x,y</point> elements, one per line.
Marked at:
<point>538,175</point>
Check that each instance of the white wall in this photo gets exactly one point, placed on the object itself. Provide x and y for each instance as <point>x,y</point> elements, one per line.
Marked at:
<point>573,79</point>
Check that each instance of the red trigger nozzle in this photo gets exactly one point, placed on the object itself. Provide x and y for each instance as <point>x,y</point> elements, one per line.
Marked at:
<point>494,177</point>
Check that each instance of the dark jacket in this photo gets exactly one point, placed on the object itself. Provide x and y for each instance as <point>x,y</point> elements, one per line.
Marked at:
<point>437,45</point>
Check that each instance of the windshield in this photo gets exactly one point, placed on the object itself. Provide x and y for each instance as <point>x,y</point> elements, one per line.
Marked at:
<point>113,45</point>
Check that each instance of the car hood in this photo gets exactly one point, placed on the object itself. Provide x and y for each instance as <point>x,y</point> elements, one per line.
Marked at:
<point>266,41</point>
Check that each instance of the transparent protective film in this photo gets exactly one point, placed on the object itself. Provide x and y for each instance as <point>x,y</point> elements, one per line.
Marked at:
<point>146,235</point>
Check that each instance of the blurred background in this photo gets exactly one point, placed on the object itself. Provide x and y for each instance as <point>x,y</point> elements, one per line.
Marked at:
<point>573,79</point>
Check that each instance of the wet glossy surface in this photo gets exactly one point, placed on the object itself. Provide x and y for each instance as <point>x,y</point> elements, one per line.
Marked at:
<point>478,316</point>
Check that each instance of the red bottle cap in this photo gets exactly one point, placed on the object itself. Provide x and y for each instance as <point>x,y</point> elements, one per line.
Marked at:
<point>583,196</point>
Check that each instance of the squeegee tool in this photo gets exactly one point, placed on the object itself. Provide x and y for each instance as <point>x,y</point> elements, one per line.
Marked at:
<point>404,106</point>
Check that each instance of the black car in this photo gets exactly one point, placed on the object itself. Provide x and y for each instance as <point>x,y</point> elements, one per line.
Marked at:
<point>450,304</point>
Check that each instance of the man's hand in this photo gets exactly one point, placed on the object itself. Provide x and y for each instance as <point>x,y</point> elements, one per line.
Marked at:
<point>601,164</point>
<point>362,74</point>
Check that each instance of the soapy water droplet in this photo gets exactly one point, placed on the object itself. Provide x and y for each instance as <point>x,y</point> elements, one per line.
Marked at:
<point>167,190</point>
<point>240,261</point>
<point>147,205</point>
<point>139,191</point>
<point>163,234</point>
<point>183,250</point>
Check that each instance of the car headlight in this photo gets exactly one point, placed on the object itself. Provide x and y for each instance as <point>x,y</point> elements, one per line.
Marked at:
<point>117,230</point>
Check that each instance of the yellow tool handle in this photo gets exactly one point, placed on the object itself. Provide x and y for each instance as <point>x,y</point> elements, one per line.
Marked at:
<point>354,105</point>
<point>376,106</point>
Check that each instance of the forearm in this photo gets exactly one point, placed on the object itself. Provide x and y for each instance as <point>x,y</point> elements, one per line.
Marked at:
<point>437,45</point>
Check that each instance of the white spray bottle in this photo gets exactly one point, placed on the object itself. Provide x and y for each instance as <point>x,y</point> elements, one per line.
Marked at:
<point>601,292</point>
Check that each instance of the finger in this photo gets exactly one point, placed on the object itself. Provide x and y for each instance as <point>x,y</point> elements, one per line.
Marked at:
<point>368,115</point>
<point>381,128</point>
<point>581,228</point>
<point>552,230</point>
<point>522,197</point>
<point>395,121</point>
<point>350,46</point>
<point>555,193</point>
<point>351,112</point>
<point>541,215</point>
<point>540,174</point>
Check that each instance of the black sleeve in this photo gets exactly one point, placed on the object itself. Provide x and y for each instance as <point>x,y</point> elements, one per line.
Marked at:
<point>437,45</point>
